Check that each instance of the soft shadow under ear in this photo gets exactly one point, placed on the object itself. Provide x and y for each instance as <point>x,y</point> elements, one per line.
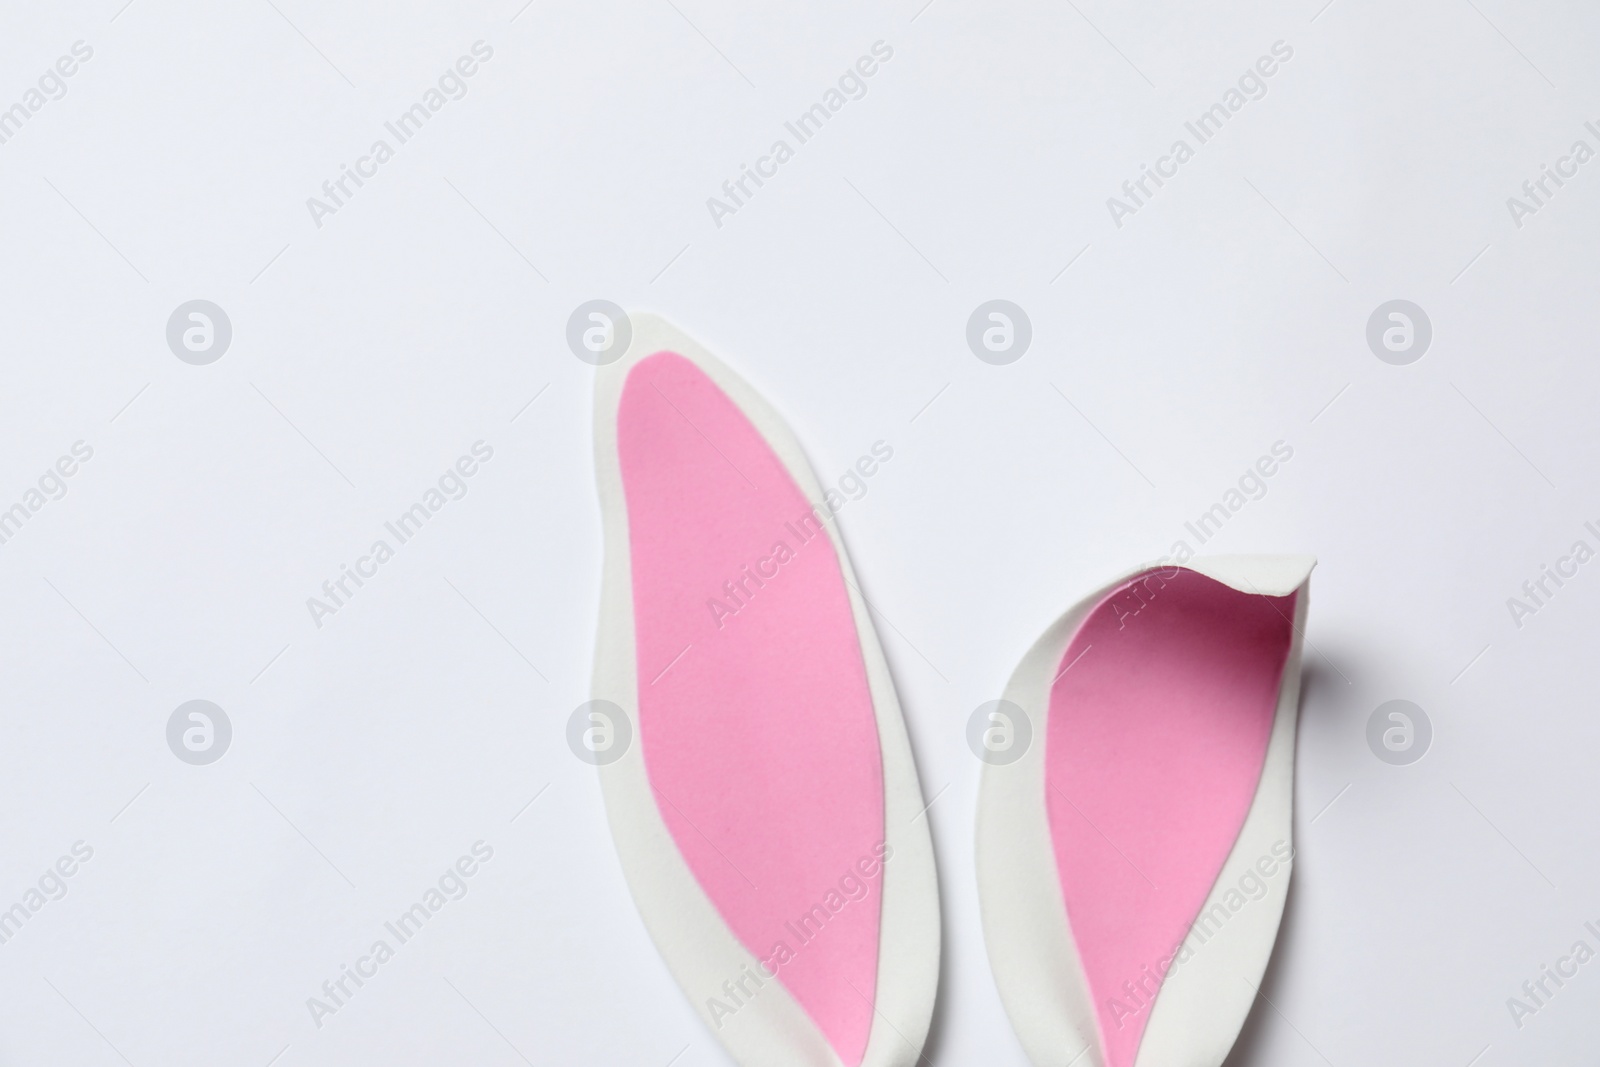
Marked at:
<point>1154,853</point>
<point>938,1025</point>
<point>1250,1050</point>
<point>1320,680</point>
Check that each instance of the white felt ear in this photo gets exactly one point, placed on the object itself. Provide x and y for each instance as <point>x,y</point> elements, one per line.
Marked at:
<point>1202,1004</point>
<point>770,1028</point>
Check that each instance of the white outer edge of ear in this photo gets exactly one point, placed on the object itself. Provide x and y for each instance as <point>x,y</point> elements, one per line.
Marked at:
<point>1194,1021</point>
<point>1204,1002</point>
<point>701,951</point>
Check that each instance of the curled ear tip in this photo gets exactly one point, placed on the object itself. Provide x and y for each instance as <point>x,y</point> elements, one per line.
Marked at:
<point>1105,845</point>
<point>1263,574</point>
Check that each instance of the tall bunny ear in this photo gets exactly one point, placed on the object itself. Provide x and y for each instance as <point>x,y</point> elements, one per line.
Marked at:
<point>1133,860</point>
<point>766,811</point>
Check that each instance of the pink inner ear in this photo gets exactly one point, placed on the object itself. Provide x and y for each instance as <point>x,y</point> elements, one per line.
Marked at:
<point>759,733</point>
<point>1155,745</point>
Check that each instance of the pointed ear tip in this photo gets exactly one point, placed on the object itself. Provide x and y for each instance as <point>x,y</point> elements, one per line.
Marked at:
<point>648,320</point>
<point>650,335</point>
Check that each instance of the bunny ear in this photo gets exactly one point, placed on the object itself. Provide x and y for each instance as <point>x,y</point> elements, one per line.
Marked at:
<point>766,811</point>
<point>1133,862</point>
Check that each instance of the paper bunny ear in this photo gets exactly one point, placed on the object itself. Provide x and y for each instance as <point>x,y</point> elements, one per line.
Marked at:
<point>1133,860</point>
<point>766,812</point>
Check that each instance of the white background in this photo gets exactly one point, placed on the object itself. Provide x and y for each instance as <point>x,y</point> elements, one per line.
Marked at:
<point>369,353</point>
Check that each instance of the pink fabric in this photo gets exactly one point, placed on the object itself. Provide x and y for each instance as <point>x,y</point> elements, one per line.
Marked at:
<point>758,728</point>
<point>1155,745</point>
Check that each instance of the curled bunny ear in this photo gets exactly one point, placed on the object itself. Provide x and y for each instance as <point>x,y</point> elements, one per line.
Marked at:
<point>1133,861</point>
<point>766,811</point>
